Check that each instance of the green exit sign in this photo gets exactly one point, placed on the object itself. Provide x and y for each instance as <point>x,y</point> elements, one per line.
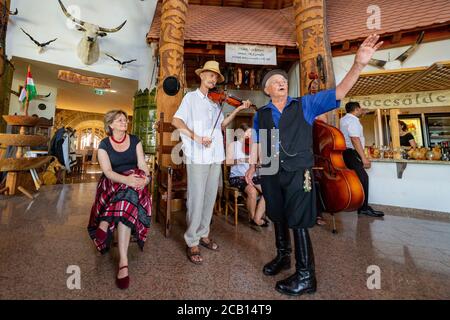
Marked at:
<point>100,92</point>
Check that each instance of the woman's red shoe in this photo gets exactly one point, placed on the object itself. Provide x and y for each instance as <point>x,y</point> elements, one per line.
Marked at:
<point>101,235</point>
<point>122,283</point>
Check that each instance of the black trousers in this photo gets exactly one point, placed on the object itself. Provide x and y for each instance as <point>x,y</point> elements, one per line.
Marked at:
<point>354,162</point>
<point>286,201</point>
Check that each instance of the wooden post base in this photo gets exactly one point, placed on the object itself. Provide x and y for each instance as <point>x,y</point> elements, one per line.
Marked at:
<point>25,192</point>
<point>11,182</point>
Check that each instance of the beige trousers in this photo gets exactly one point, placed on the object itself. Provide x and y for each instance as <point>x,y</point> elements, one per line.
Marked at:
<point>203,182</point>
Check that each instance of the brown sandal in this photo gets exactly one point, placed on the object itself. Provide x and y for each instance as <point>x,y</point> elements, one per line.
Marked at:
<point>191,255</point>
<point>211,245</point>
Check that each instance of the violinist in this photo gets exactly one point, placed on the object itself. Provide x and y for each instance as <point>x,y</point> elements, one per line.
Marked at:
<point>290,198</point>
<point>201,122</point>
<point>238,153</point>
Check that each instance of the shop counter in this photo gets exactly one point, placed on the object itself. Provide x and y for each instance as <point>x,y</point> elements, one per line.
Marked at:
<point>419,184</point>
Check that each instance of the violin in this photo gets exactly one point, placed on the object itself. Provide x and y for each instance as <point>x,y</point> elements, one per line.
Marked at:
<point>340,187</point>
<point>220,96</point>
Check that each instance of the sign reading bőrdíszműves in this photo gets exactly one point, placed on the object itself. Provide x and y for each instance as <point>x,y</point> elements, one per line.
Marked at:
<point>72,77</point>
<point>403,100</point>
<point>250,54</point>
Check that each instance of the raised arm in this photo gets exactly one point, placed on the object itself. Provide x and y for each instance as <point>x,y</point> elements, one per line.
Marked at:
<point>362,58</point>
<point>245,105</point>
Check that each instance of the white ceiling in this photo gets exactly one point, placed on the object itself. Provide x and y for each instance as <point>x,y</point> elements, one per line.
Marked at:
<point>79,97</point>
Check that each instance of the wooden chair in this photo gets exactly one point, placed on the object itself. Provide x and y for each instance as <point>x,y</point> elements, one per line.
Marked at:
<point>234,193</point>
<point>169,182</point>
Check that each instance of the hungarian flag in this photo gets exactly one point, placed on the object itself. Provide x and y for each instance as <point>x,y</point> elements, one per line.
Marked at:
<point>29,90</point>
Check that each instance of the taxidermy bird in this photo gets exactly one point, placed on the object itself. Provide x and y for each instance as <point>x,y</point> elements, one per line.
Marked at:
<point>41,46</point>
<point>121,63</point>
<point>396,64</point>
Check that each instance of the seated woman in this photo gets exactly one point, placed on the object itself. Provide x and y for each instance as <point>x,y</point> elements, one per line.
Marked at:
<point>236,152</point>
<point>406,138</point>
<point>122,200</point>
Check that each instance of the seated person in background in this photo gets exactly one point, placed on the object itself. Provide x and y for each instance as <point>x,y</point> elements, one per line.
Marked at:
<point>236,151</point>
<point>89,152</point>
<point>406,138</point>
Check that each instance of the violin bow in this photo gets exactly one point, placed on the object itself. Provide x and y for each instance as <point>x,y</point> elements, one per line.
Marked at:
<point>218,116</point>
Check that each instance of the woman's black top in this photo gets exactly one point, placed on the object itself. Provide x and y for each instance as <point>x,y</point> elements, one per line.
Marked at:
<point>121,161</point>
<point>404,140</point>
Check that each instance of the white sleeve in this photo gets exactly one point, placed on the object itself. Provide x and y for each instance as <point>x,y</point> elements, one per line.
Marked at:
<point>183,110</point>
<point>354,129</point>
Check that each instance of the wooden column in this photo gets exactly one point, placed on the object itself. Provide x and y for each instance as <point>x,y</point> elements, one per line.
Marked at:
<point>394,126</point>
<point>312,37</point>
<point>171,59</point>
<point>6,69</point>
<point>379,119</point>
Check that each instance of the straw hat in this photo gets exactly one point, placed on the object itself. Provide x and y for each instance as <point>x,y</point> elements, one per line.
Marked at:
<point>211,66</point>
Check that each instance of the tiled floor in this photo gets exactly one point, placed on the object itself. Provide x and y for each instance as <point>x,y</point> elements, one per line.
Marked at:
<point>39,240</point>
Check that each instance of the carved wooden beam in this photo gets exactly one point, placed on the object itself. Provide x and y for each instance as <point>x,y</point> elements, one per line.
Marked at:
<point>314,46</point>
<point>171,53</point>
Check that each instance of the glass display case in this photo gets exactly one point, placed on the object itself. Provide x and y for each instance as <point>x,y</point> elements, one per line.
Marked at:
<point>438,129</point>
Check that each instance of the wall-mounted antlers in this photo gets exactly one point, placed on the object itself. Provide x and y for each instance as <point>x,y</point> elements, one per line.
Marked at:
<point>40,45</point>
<point>121,63</point>
<point>88,49</point>
<point>401,58</point>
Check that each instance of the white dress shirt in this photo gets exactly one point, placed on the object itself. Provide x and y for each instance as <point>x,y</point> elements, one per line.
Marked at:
<point>199,114</point>
<point>239,169</point>
<point>351,127</point>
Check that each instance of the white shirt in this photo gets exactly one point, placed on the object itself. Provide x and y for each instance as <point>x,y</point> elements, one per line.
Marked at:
<point>351,127</point>
<point>199,114</point>
<point>239,169</point>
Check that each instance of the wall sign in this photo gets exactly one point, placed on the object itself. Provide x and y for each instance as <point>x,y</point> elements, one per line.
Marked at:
<point>250,54</point>
<point>403,100</point>
<point>72,77</point>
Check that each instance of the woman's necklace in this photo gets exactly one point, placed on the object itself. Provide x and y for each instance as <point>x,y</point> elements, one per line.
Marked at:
<point>117,141</point>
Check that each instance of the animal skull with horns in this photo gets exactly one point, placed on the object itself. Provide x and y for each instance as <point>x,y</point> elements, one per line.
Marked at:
<point>88,49</point>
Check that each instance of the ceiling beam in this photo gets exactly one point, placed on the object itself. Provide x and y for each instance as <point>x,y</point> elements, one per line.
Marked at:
<point>436,34</point>
<point>279,4</point>
<point>266,4</point>
<point>396,37</point>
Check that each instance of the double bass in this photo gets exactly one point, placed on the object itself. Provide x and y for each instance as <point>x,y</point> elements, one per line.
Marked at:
<point>340,188</point>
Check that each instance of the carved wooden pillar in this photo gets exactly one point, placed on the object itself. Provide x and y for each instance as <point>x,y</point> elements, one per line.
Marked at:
<point>312,37</point>
<point>6,69</point>
<point>171,59</point>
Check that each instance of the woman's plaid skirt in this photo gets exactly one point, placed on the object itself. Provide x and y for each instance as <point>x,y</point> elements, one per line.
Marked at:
<point>117,202</point>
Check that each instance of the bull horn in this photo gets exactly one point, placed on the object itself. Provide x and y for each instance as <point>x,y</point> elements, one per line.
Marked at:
<point>68,15</point>
<point>113,30</point>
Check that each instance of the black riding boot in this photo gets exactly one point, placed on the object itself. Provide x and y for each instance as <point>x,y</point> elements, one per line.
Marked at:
<point>304,278</point>
<point>283,243</point>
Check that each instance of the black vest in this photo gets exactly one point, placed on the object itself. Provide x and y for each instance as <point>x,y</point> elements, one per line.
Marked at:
<point>294,137</point>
